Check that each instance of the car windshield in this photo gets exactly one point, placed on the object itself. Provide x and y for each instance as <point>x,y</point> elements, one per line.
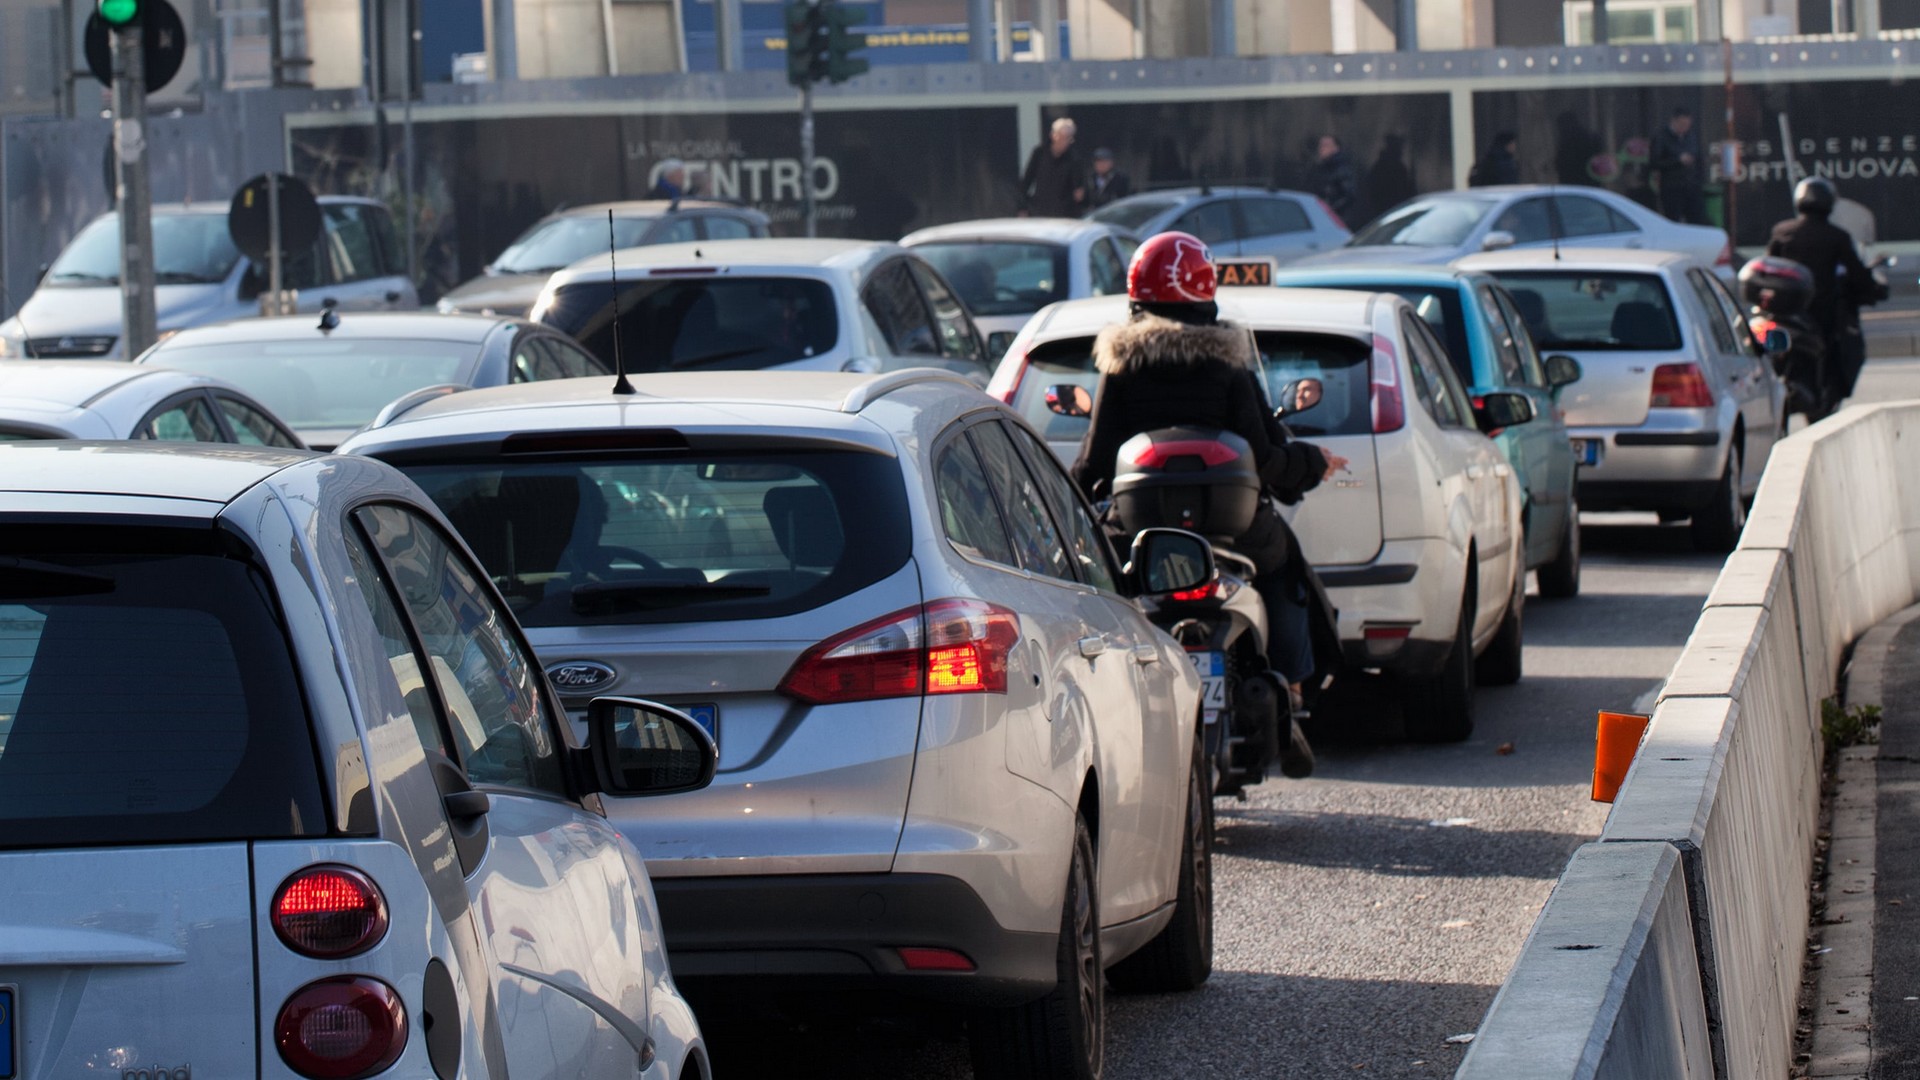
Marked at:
<point>1001,277</point>
<point>320,384</point>
<point>560,242</point>
<point>1433,222</point>
<point>1575,309</point>
<point>677,537</point>
<point>1439,305</point>
<point>700,324</point>
<point>147,694</point>
<point>188,249</point>
<point>1132,214</point>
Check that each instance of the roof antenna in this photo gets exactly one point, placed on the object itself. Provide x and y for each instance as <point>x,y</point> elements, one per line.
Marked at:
<point>1553,218</point>
<point>620,383</point>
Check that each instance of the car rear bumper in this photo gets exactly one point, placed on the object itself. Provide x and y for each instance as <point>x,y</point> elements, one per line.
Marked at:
<point>1414,584</point>
<point>844,932</point>
<point>1674,450</point>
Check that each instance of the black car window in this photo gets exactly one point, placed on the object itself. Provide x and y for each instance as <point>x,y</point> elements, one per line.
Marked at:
<point>675,229</point>
<point>1211,222</point>
<point>1621,222</point>
<point>1108,271</point>
<point>1272,216</point>
<point>957,339</point>
<point>700,323</point>
<point>968,513</point>
<point>147,694</point>
<point>1536,371</point>
<point>570,360</point>
<point>1085,541</point>
<point>1506,350</point>
<point>725,227</point>
<point>1527,220</point>
<point>1343,366</point>
<point>1594,309</point>
<point>1717,322</point>
<point>1001,277</point>
<point>182,420</point>
<point>404,666</point>
<point>1035,539</point>
<point>1730,308</point>
<point>349,242</point>
<point>489,685</point>
<point>1430,374</point>
<point>896,304</point>
<point>1581,216</point>
<point>252,427</point>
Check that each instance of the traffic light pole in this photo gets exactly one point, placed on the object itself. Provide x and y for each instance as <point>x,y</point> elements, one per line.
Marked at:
<point>134,197</point>
<point>806,156</point>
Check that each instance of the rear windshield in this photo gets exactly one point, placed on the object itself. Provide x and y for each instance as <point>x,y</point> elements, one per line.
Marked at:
<point>701,324</point>
<point>1131,214</point>
<point>1439,222</point>
<point>321,383</point>
<point>145,698</point>
<point>1439,305</point>
<point>560,242</point>
<point>1598,311</point>
<point>1001,277</point>
<point>682,538</point>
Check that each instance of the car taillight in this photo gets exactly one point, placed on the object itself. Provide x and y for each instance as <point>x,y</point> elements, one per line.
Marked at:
<point>1331,213</point>
<point>341,1028</point>
<point>945,647</point>
<point>1726,255</point>
<point>1204,592</point>
<point>329,912</point>
<point>931,959</point>
<point>1680,386</point>
<point>1008,375</point>
<point>1389,407</point>
<point>1151,455</point>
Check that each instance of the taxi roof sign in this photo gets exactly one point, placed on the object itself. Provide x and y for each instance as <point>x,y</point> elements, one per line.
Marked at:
<point>1244,272</point>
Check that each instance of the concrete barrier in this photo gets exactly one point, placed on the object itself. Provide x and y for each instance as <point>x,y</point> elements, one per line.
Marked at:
<point>1728,781</point>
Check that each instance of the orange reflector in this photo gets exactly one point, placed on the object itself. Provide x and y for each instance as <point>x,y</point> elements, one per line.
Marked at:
<point>1614,745</point>
<point>919,959</point>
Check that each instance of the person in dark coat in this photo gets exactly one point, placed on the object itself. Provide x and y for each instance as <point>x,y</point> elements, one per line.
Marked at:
<point>1841,283</point>
<point>1055,181</point>
<point>1107,183</point>
<point>1334,181</point>
<point>1677,165</point>
<point>1173,363</point>
<point>1390,182</point>
<point>1498,165</point>
<point>671,180</point>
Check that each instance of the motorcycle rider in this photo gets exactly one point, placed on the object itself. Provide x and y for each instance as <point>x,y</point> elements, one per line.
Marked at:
<point>1174,362</point>
<point>1841,285</point>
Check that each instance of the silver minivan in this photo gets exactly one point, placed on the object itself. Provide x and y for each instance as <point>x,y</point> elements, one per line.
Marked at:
<point>356,264</point>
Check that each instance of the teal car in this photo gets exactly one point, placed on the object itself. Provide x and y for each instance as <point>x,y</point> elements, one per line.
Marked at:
<point>1488,342</point>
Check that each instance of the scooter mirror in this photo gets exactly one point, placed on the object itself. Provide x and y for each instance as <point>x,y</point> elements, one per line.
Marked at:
<point>1170,561</point>
<point>1069,400</point>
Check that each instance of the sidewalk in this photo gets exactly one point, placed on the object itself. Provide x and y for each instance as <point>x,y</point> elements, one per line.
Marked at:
<point>1864,1010</point>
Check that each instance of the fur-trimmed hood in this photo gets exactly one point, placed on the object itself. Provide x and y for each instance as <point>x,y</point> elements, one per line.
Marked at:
<point>1148,341</point>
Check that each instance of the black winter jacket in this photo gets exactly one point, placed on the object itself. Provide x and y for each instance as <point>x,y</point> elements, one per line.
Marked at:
<point>1825,249</point>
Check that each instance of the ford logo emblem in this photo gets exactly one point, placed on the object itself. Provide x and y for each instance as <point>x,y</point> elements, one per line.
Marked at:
<point>580,676</point>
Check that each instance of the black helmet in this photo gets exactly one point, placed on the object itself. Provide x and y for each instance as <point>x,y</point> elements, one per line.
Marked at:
<point>1815,195</point>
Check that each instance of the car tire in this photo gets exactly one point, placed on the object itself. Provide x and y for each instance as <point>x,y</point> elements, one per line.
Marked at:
<point>1180,956</point>
<point>1501,664</point>
<point>1063,1035</point>
<point>1440,709</point>
<point>1716,526</point>
<point>1560,577</point>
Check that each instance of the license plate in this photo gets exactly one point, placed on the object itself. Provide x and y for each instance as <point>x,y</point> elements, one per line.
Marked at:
<point>707,716</point>
<point>1587,451</point>
<point>1212,669</point>
<point>9,1026</point>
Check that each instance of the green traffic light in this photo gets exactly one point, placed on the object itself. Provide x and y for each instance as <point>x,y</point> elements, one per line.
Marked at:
<point>117,13</point>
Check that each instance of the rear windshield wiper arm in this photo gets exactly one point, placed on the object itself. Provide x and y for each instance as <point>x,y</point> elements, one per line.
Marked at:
<point>619,597</point>
<point>25,579</point>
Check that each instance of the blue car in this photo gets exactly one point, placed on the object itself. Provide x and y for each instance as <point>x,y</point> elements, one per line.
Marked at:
<point>1488,342</point>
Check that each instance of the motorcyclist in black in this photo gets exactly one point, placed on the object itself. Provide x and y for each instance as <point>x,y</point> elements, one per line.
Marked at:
<point>1841,283</point>
<point>1174,362</point>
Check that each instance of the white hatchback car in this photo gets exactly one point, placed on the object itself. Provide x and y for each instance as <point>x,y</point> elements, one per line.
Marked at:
<point>957,762</point>
<point>1418,544</point>
<point>1008,268</point>
<point>283,793</point>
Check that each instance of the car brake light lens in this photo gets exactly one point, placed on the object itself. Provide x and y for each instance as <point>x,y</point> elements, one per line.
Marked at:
<point>946,647</point>
<point>926,959</point>
<point>329,912</point>
<point>342,1028</point>
<point>1151,455</point>
<point>1389,406</point>
<point>1680,386</point>
<point>1726,255</point>
<point>1008,375</point>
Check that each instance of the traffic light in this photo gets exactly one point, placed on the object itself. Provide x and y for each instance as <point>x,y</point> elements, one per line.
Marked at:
<point>806,42</point>
<point>841,44</point>
<point>118,13</point>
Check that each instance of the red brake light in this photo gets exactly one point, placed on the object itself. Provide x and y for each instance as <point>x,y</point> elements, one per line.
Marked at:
<point>1204,592</point>
<point>1726,255</point>
<point>923,959</point>
<point>329,912</point>
<point>1389,407</point>
<point>1156,455</point>
<point>1008,375</point>
<point>1680,386</point>
<point>946,647</point>
<point>341,1028</point>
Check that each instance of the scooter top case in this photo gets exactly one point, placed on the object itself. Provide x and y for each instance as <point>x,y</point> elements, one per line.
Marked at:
<point>1198,478</point>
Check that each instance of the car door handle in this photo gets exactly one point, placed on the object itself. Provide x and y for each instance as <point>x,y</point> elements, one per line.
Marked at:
<point>466,805</point>
<point>1091,647</point>
<point>1146,654</point>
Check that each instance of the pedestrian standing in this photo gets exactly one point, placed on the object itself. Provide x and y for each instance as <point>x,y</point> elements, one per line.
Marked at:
<point>1500,164</point>
<point>1107,183</point>
<point>1333,178</point>
<point>670,180</point>
<point>1676,163</point>
<point>1390,182</point>
<point>1055,182</point>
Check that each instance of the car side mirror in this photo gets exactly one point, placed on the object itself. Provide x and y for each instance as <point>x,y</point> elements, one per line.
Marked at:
<point>1067,399</point>
<point>1562,371</point>
<point>643,748</point>
<point>1498,240</point>
<point>1496,412</point>
<point>1299,395</point>
<point>1776,341</point>
<point>1170,560</point>
<point>998,343</point>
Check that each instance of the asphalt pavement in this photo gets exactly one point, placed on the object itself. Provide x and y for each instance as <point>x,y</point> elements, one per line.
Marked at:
<point>1368,914</point>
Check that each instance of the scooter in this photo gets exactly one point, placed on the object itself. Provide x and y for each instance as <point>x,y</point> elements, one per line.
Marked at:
<point>1778,291</point>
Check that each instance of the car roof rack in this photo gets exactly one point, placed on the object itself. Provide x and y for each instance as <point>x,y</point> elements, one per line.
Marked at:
<point>412,400</point>
<point>880,386</point>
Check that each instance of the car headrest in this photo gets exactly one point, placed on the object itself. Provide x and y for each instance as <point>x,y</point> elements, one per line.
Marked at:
<point>805,524</point>
<point>1640,323</point>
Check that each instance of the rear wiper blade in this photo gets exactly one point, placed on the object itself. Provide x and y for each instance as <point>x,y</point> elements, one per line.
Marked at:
<point>25,579</point>
<point>620,597</point>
